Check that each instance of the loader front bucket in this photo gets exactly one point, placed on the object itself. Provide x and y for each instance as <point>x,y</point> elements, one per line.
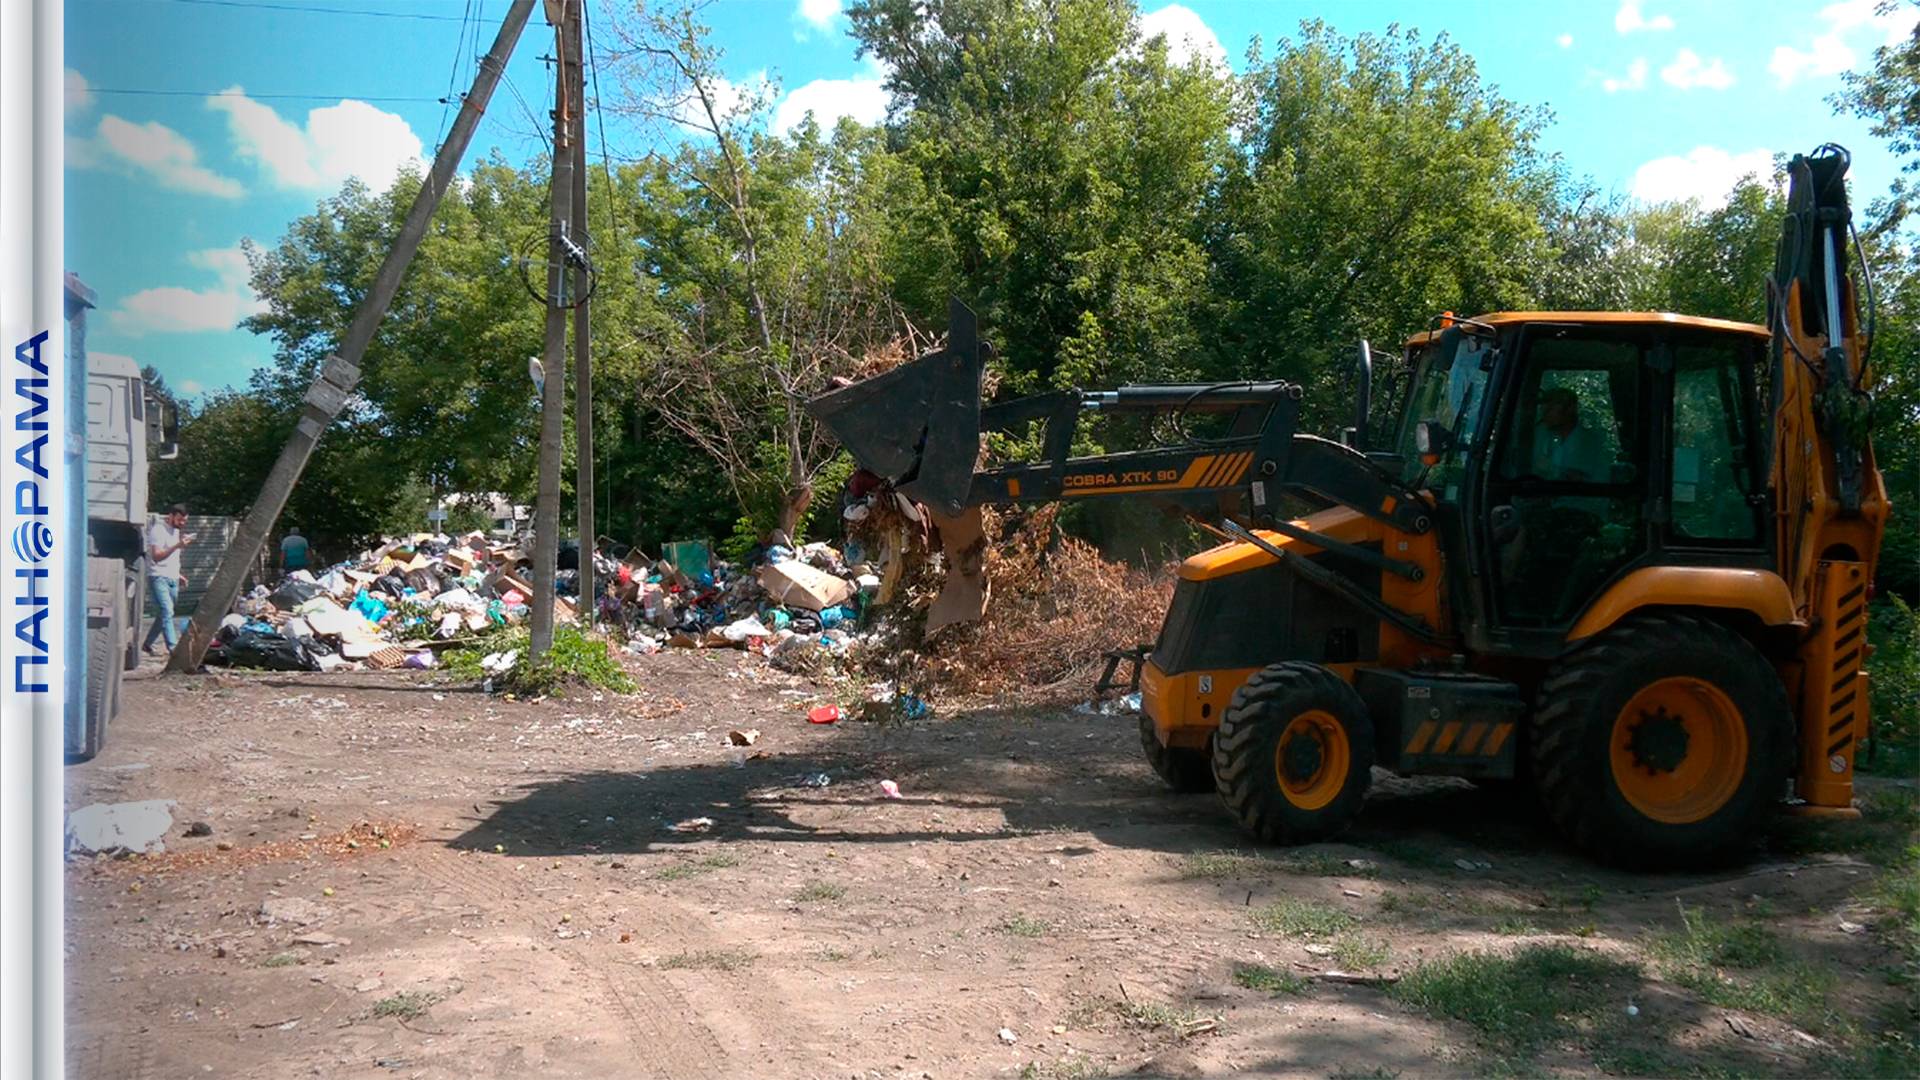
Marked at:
<point>917,426</point>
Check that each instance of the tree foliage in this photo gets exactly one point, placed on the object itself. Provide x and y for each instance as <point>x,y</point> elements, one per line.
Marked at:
<point>1112,214</point>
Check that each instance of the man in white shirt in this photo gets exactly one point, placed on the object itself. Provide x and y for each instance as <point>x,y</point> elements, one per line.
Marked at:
<point>164,542</point>
<point>1563,447</point>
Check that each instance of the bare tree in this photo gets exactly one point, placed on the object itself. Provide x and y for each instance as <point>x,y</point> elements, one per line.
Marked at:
<point>769,252</point>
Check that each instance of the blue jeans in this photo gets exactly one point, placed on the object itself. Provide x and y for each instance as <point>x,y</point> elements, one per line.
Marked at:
<point>164,590</point>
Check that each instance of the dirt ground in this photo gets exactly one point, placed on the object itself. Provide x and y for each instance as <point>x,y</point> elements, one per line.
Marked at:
<point>409,879</point>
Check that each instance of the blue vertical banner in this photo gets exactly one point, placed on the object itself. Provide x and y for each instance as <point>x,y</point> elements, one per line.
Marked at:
<point>42,459</point>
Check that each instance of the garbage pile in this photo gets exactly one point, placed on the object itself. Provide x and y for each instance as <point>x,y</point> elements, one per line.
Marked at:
<point>801,606</point>
<point>388,609</point>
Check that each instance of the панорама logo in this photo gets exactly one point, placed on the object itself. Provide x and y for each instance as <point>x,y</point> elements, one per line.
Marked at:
<point>27,594</point>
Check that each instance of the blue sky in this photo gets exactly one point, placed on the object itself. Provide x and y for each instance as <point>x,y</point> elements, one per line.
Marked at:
<point>1657,100</point>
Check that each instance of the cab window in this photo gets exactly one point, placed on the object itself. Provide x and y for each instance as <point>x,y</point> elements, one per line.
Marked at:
<point>1711,484</point>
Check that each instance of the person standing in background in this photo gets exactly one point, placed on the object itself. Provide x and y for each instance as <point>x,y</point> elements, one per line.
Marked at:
<point>293,551</point>
<point>164,543</point>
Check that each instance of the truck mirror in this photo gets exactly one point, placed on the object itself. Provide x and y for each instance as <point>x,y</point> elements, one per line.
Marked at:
<point>163,428</point>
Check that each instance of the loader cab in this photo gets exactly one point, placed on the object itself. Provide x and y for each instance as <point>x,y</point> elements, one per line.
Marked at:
<point>1566,451</point>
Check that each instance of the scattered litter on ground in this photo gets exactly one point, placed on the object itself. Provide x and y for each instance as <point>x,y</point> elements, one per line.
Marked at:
<point>891,789</point>
<point>823,714</point>
<point>699,824</point>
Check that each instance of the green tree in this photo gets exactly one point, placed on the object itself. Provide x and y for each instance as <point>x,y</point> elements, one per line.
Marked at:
<point>1381,182</point>
<point>1888,94</point>
<point>1066,164</point>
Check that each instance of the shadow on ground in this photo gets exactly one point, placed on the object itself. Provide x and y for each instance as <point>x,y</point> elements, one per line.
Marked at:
<point>992,774</point>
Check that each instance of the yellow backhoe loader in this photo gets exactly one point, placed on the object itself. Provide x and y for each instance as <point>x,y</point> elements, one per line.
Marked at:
<point>1622,557</point>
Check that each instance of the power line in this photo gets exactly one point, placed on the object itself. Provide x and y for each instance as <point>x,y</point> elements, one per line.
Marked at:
<point>459,49</point>
<point>155,92</point>
<point>314,9</point>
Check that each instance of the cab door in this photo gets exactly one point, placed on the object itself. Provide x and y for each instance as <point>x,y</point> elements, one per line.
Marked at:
<point>1567,491</point>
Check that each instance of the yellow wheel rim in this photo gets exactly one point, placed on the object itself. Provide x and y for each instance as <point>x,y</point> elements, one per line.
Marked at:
<point>1311,759</point>
<point>1679,750</point>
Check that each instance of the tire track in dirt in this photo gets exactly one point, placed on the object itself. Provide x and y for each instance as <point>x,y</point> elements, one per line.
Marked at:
<point>673,1041</point>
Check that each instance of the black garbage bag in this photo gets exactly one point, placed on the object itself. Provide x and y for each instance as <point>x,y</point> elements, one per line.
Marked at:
<point>566,583</point>
<point>392,584</point>
<point>292,593</point>
<point>264,650</point>
<point>423,581</point>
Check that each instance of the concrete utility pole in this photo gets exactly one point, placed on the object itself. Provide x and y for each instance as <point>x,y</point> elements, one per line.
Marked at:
<point>582,357</point>
<point>565,17</point>
<point>330,391</point>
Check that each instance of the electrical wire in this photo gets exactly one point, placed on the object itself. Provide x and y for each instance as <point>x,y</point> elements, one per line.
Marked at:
<point>453,74</point>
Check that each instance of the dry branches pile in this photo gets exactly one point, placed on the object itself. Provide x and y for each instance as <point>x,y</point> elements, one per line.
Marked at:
<point>1056,607</point>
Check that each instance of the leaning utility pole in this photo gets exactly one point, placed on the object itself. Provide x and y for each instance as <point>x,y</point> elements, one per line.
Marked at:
<point>586,597</point>
<point>329,393</point>
<point>565,17</point>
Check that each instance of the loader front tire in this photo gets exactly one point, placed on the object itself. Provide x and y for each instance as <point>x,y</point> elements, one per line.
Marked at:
<point>1186,771</point>
<point>1658,744</point>
<point>1294,754</point>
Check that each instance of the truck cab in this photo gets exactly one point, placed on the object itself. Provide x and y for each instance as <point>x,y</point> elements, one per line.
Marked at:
<point>127,426</point>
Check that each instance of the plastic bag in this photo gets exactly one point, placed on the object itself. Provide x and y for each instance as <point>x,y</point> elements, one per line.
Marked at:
<point>292,593</point>
<point>266,650</point>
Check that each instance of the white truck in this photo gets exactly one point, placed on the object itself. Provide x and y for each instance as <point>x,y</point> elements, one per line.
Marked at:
<point>127,425</point>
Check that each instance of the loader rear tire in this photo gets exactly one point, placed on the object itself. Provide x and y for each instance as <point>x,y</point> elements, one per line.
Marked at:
<point>1294,754</point>
<point>1659,743</point>
<point>1186,771</point>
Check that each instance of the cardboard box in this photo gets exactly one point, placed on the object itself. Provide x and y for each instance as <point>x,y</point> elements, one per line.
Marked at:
<point>796,584</point>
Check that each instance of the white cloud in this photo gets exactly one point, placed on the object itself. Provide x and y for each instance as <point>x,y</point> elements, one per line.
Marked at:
<point>818,14</point>
<point>1688,71</point>
<point>729,99</point>
<point>339,141</point>
<point>78,95</point>
<point>1565,40</point>
<point>173,309</point>
<point>1188,36</point>
<point>863,97</point>
<point>192,386</point>
<point>155,149</point>
<point>1628,19</point>
<point>1830,53</point>
<point>1635,78</point>
<point>1705,174</point>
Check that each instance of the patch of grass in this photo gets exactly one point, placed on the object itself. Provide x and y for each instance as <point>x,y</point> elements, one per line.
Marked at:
<point>1378,1072</point>
<point>1701,953</point>
<point>1519,1000</point>
<point>1703,941</point>
<point>1897,892</point>
<point>815,891</point>
<point>406,1005</point>
<point>1024,926</point>
<point>575,658</point>
<point>721,860</point>
<point>1071,1067</point>
<point>1515,925</point>
<point>1268,980</point>
<point>1356,953</point>
<point>1295,917</point>
<point>708,960</point>
<point>1224,866</point>
<point>1154,1016</point>
<point>832,955</point>
<point>281,959</point>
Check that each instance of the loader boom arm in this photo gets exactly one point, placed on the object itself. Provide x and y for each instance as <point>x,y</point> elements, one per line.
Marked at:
<point>919,427</point>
